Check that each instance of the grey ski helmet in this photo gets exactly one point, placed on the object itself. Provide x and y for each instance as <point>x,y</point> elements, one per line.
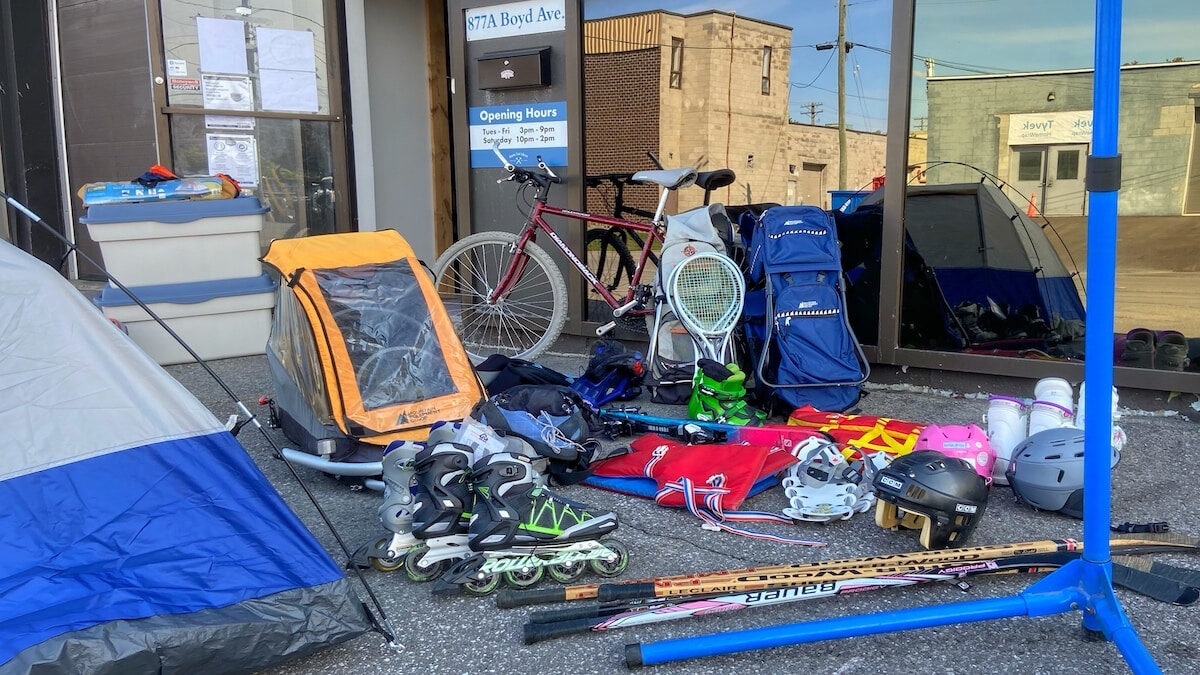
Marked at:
<point>1046,470</point>
<point>942,496</point>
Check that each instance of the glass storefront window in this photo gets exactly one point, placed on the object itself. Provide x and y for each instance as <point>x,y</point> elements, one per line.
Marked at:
<point>998,234</point>
<point>295,175</point>
<point>729,85</point>
<point>259,69</point>
<point>282,45</point>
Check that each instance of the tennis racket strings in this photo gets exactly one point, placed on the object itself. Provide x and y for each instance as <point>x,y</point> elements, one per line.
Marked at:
<point>707,293</point>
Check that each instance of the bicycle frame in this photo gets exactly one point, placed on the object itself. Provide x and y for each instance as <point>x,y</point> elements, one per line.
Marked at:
<point>537,222</point>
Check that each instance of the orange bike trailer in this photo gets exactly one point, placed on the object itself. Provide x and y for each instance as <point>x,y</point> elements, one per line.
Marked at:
<point>362,351</point>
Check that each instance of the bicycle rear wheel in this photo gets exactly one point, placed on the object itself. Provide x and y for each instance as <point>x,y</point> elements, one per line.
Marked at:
<point>609,258</point>
<point>523,323</point>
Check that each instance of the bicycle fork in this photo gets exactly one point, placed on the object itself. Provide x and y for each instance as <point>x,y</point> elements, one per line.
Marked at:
<point>515,269</point>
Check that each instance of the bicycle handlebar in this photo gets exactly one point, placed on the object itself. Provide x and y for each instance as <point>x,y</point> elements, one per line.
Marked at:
<point>522,175</point>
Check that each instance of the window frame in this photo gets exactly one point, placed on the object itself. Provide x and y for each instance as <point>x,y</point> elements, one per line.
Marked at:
<point>675,79</point>
<point>766,70</point>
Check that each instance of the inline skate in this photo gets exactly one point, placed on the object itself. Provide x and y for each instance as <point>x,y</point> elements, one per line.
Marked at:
<point>442,504</point>
<point>519,531</point>
<point>396,511</point>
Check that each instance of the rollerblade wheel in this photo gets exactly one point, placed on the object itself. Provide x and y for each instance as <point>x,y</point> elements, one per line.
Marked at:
<point>565,573</point>
<point>416,572</point>
<point>386,564</point>
<point>524,578</point>
<point>611,566</point>
<point>483,586</point>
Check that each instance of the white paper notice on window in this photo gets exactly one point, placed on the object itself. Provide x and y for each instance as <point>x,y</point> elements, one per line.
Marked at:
<point>228,122</point>
<point>235,155</point>
<point>227,92</point>
<point>285,49</point>
<point>222,45</point>
<point>288,90</point>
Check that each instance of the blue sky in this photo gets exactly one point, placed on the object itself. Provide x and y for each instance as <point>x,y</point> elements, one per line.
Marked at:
<point>961,35</point>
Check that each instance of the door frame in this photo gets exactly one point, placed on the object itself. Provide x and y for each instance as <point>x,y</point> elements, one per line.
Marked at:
<point>339,141</point>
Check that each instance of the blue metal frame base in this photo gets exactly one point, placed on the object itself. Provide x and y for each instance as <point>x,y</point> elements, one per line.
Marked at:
<point>1079,585</point>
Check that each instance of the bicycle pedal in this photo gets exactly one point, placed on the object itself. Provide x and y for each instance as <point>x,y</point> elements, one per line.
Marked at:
<point>603,330</point>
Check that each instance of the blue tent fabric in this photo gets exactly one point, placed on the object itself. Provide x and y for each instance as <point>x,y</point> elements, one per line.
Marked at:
<point>79,547</point>
<point>136,535</point>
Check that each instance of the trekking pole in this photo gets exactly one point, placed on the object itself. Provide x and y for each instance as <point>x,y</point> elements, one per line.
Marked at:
<point>383,625</point>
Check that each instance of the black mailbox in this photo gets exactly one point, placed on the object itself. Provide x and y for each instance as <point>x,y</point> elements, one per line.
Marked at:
<point>514,69</point>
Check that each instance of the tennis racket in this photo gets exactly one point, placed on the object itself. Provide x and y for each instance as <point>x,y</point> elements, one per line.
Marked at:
<point>707,293</point>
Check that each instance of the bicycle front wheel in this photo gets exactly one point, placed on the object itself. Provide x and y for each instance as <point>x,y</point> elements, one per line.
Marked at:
<point>524,321</point>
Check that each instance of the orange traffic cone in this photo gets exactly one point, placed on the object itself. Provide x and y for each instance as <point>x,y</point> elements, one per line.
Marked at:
<point>1032,210</point>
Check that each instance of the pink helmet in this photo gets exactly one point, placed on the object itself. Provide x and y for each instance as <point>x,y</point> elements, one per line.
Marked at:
<point>969,443</point>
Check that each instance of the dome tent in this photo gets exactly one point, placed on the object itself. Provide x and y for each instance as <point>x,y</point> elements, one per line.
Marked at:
<point>137,535</point>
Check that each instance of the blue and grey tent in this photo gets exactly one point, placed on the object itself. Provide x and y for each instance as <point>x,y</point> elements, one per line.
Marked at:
<point>136,535</point>
<point>980,246</point>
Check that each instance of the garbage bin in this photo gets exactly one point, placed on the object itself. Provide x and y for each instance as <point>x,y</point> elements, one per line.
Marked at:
<point>846,200</point>
<point>175,242</point>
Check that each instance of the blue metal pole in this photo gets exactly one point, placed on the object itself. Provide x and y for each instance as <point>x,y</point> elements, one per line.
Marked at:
<point>1027,604</point>
<point>1101,281</point>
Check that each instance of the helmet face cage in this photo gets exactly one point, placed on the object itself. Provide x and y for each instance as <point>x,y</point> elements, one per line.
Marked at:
<point>942,496</point>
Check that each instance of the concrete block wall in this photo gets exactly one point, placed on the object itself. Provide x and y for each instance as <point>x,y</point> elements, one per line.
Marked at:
<point>819,145</point>
<point>968,122</point>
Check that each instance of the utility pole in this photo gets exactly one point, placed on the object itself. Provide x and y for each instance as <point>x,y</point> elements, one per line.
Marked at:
<point>841,57</point>
<point>814,108</point>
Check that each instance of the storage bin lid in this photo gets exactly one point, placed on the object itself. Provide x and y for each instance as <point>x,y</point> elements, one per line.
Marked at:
<point>189,293</point>
<point>173,211</point>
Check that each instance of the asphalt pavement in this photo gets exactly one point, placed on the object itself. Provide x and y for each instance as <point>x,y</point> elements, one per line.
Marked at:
<point>1154,481</point>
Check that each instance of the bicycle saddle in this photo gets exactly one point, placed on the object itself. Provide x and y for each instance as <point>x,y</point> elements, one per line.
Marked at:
<point>672,179</point>
<point>717,178</point>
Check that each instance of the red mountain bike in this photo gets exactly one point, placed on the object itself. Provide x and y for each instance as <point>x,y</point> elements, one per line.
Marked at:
<point>506,295</point>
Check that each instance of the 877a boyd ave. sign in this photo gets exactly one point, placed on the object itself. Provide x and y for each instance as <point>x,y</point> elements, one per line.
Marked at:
<point>517,18</point>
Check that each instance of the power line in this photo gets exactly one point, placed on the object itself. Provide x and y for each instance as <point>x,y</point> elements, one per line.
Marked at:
<point>818,75</point>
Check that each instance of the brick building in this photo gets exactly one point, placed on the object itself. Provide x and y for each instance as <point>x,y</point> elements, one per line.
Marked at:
<point>671,83</point>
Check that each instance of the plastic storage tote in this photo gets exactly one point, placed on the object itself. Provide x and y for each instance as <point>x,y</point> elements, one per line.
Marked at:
<point>175,242</point>
<point>219,319</point>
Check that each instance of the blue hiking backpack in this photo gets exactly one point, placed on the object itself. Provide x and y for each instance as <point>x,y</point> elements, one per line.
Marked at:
<point>795,318</point>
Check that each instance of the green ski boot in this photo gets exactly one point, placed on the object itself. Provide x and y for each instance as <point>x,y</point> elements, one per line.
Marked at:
<point>719,395</point>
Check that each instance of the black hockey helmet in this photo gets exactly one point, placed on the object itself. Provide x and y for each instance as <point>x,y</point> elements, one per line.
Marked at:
<point>942,496</point>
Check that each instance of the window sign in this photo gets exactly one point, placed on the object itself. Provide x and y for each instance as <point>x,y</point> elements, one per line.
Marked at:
<point>1055,127</point>
<point>522,131</point>
<point>516,18</point>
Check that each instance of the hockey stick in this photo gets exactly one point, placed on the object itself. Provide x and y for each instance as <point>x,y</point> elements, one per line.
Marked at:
<point>552,624</point>
<point>780,576</point>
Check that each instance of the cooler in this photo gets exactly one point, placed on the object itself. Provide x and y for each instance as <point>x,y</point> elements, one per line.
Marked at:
<point>219,319</point>
<point>176,242</point>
